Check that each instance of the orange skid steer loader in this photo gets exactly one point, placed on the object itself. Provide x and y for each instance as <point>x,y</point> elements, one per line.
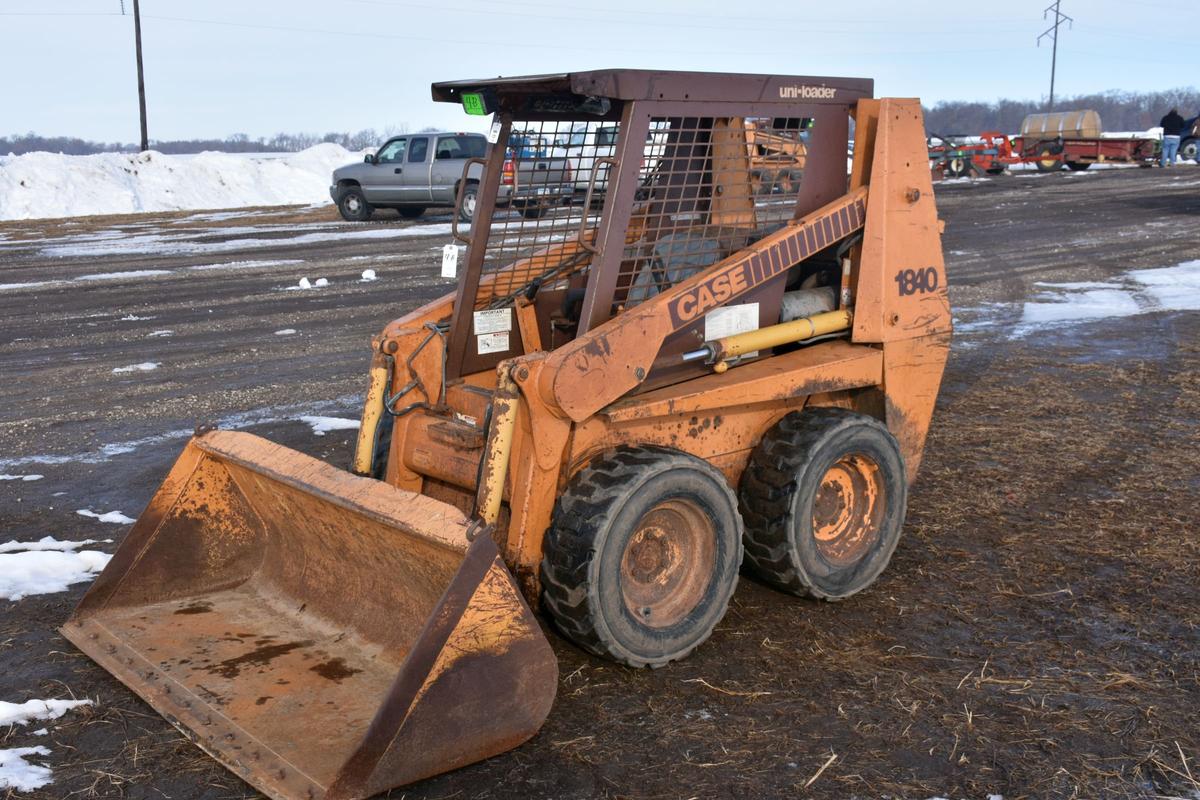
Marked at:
<point>629,397</point>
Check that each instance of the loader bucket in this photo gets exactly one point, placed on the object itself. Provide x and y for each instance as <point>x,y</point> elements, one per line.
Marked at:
<point>322,635</point>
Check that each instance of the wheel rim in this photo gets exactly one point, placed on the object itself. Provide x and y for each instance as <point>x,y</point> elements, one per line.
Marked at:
<point>469,204</point>
<point>352,204</point>
<point>1048,160</point>
<point>848,510</point>
<point>668,563</point>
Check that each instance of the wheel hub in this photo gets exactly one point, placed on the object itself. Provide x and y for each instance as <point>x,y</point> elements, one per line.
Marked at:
<point>848,510</point>
<point>668,563</point>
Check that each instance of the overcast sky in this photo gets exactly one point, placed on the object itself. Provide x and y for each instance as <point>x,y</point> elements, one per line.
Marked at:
<point>260,67</point>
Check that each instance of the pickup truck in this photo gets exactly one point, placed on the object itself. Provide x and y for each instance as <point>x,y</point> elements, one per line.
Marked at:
<point>413,172</point>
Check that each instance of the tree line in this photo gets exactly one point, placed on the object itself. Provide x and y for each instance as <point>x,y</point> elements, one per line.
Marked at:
<point>237,143</point>
<point>1119,111</point>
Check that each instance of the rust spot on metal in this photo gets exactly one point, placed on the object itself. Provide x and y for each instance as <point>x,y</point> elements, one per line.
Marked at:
<point>262,701</point>
<point>335,669</point>
<point>260,657</point>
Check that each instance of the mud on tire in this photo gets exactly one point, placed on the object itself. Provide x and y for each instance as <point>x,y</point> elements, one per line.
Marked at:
<point>823,499</point>
<point>642,555</point>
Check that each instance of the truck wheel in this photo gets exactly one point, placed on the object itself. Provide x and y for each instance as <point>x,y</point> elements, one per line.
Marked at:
<point>1048,161</point>
<point>470,197</point>
<point>642,555</point>
<point>823,499</point>
<point>1078,166</point>
<point>353,205</point>
<point>1189,150</point>
<point>411,212</point>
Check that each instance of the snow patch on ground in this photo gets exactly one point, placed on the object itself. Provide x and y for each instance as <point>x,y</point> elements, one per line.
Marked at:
<point>17,773</point>
<point>1139,291</point>
<point>159,334</point>
<point>37,185</point>
<point>21,477</point>
<point>145,366</point>
<point>45,543</point>
<point>30,285</point>
<point>133,273</point>
<point>242,419</point>
<point>109,516</point>
<point>368,275</point>
<point>322,425</point>
<point>249,264</point>
<point>285,332</point>
<point>30,710</point>
<point>187,244</point>
<point>46,571</point>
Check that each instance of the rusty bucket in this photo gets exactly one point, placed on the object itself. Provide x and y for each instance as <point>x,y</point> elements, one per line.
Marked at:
<point>322,635</point>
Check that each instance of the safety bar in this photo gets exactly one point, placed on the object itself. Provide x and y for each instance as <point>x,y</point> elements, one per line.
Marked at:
<point>587,200</point>
<point>458,196</point>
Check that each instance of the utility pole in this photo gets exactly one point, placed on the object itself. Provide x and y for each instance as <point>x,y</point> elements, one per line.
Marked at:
<point>1052,32</point>
<point>137,43</point>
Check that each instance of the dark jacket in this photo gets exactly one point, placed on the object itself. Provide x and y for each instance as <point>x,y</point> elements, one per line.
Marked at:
<point>1172,124</point>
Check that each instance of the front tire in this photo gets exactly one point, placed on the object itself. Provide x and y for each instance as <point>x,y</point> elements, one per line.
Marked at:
<point>353,205</point>
<point>642,555</point>
<point>823,499</point>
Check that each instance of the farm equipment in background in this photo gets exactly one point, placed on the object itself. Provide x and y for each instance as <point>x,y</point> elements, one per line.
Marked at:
<point>1075,139</point>
<point>957,157</point>
<point>618,402</point>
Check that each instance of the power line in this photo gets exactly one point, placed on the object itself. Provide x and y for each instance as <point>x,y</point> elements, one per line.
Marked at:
<point>1052,32</point>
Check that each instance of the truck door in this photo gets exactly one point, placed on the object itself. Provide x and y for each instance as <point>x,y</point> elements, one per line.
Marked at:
<point>449,155</point>
<point>414,186</point>
<point>382,181</point>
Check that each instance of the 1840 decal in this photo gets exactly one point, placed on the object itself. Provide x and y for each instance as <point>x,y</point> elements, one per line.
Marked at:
<point>916,281</point>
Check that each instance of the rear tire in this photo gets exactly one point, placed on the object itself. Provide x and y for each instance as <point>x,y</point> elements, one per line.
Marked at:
<point>823,499</point>
<point>353,205</point>
<point>411,212</point>
<point>1078,166</point>
<point>1048,161</point>
<point>642,556</point>
<point>470,197</point>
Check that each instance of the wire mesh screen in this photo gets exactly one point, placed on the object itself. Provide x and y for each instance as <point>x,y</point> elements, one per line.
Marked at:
<point>708,187</point>
<point>542,209</point>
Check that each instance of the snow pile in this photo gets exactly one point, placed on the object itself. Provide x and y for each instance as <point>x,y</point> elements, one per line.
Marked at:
<point>17,773</point>
<point>24,713</point>
<point>111,516</point>
<point>38,185</point>
<point>37,569</point>
<point>322,425</point>
<point>368,275</point>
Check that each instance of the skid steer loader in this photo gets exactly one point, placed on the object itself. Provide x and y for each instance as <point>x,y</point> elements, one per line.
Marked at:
<point>626,399</point>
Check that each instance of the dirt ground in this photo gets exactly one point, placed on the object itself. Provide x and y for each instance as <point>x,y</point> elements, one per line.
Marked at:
<point>1037,634</point>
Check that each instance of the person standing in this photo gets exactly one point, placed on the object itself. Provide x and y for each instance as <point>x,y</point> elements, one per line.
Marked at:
<point>1172,125</point>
